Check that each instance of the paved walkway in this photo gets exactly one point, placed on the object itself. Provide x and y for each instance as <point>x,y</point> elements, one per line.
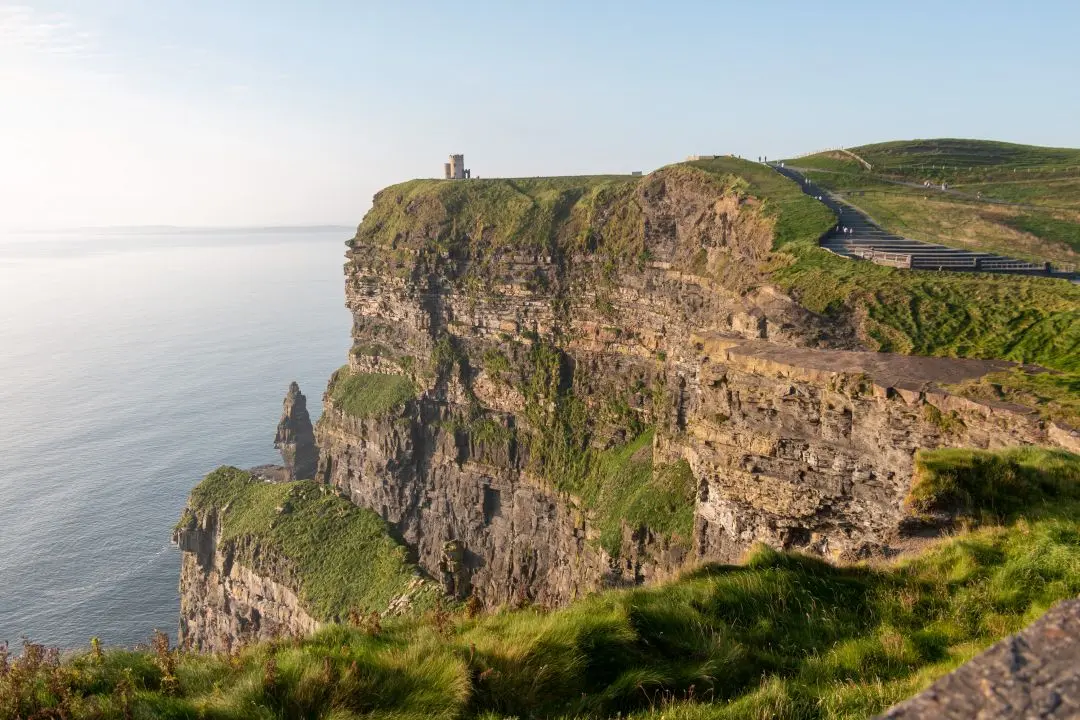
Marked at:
<point>865,239</point>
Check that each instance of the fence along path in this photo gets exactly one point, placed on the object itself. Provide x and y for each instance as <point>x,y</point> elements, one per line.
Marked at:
<point>866,240</point>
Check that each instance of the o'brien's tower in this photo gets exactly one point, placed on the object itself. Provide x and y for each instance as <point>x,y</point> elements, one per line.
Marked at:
<point>455,169</point>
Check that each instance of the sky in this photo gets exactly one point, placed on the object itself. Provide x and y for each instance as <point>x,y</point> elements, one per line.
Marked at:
<point>275,112</point>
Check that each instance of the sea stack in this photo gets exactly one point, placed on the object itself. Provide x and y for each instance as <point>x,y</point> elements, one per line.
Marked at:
<point>296,438</point>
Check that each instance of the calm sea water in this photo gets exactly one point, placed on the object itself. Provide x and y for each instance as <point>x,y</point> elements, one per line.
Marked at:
<point>131,364</point>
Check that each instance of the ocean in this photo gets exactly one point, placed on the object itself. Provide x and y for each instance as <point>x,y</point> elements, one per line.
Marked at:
<point>132,363</point>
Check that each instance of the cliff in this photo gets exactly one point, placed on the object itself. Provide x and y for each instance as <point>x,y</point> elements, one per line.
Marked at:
<point>265,559</point>
<point>780,635</point>
<point>564,384</point>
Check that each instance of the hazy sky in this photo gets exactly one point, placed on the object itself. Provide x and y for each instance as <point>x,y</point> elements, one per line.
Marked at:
<point>232,112</point>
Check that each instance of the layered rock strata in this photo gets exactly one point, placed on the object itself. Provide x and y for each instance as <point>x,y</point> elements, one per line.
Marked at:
<point>790,442</point>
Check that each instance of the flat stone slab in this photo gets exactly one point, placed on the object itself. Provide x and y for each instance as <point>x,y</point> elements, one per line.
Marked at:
<point>1033,674</point>
<point>911,372</point>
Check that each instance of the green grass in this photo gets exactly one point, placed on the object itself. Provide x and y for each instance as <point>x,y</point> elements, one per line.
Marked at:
<point>959,158</point>
<point>341,556</point>
<point>364,395</point>
<point>989,486</point>
<point>623,487</point>
<point>1063,193</point>
<point>783,635</point>
<point>1048,227</point>
<point>533,215</point>
<point>1056,395</point>
<point>1026,319</point>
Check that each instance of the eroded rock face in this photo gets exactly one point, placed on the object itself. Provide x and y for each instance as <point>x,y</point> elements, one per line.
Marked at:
<point>814,449</point>
<point>792,446</point>
<point>224,604</point>
<point>296,438</point>
<point>1033,674</point>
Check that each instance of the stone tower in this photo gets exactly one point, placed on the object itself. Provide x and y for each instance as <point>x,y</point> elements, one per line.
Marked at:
<point>455,169</point>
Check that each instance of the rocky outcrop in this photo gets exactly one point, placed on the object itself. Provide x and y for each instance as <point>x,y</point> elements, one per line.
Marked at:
<point>226,604</point>
<point>529,360</point>
<point>1034,674</point>
<point>814,449</point>
<point>296,437</point>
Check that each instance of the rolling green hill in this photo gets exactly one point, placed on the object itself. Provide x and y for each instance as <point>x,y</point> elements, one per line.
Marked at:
<point>1018,200</point>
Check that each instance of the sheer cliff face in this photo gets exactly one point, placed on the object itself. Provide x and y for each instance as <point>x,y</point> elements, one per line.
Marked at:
<point>225,603</point>
<point>541,338</point>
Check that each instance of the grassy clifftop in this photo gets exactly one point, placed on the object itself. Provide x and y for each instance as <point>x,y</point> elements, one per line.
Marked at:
<point>1019,200</point>
<point>783,636</point>
<point>341,556</point>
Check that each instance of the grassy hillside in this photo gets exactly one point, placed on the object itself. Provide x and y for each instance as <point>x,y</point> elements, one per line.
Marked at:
<point>1018,200</point>
<point>1027,319</point>
<point>341,555</point>
<point>799,218</point>
<point>782,636</point>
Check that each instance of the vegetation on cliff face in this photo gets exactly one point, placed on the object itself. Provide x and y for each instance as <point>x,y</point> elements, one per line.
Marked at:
<point>363,395</point>
<point>340,555</point>
<point>620,486</point>
<point>625,488</point>
<point>784,635</point>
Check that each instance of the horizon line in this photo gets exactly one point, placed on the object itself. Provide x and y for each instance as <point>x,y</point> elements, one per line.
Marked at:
<point>73,228</point>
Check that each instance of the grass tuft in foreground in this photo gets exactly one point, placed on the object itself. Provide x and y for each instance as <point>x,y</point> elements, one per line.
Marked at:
<point>784,635</point>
